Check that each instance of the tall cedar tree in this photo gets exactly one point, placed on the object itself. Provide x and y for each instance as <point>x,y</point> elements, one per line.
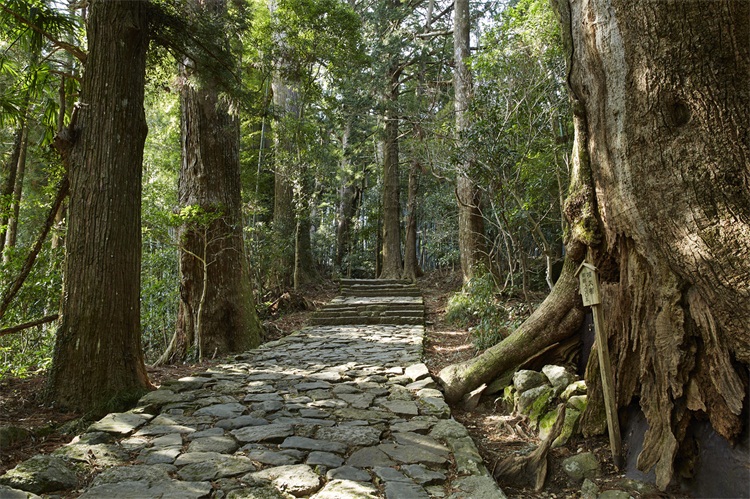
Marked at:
<point>98,359</point>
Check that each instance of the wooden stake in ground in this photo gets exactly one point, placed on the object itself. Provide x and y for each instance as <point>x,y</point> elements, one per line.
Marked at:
<point>589,286</point>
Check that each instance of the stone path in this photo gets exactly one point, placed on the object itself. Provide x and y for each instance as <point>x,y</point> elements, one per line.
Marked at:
<point>329,412</point>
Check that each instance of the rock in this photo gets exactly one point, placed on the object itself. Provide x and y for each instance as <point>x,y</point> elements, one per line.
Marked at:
<point>41,474</point>
<point>298,479</point>
<point>346,489</point>
<point>539,396</point>
<point>258,491</point>
<point>400,490</point>
<point>471,399</point>
<point>447,429</point>
<point>101,454</point>
<point>327,459</point>
<point>615,494</point>
<point>305,443</point>
<point>222,411</point>
<point>271,432</point>
<point>407,454</point>
<point>138,472</point>
<point>578,402</point>
<point>220,444</point>
<point>240,422</point>
<point>417,371</point>
<point>589,490</point>
<point>403,407</point>
<point>569,426</point>
<point>10,493</point>
<point>159,455</point>
<point>210,468</point>
<point>348,473</point>
<point>433,406</point>
<point>477,487</point>
<point>422,441</point>
<point>559,377</point>
<point>525,379</point>
<point>120,423</point>
<point>576,388</point>
<point>11,435</point>
<point>468,459</point>
<point>581,466</point>
<point>369,457</point>
<point>142,489</point>
<point>423,475</point>
<point>352,436</point>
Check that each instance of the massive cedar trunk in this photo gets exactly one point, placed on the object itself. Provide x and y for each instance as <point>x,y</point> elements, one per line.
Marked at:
<point>349,198</point>
<point>663,87</point>
<point>392,265</point>
<point>98,359</point>
<point>216,313</point>
<point>470,221</point>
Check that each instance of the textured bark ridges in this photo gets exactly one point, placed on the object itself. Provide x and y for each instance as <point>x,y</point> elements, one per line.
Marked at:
<point>667,135</point>
<point>98,357</point>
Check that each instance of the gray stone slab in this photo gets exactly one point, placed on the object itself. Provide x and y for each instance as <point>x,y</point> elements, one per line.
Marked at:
<point>348,473</point>
<point>240,422</point>
<point>298,479</point>
<point>401,490</point>
<point>215,467</point>
<point>220,444</point>
<point>359,436</point>
<point>404,454</point>
<point>41,474</point>
<point>138,472</point>
<point>159,455</point>
<point>477,487</point>
<point>388,474</point>
<point>423,475</point>
<point>264,433</point>
<point>167,489</point>
<point>327,459</point>
<point>305,443</point>
<point>273,458</point>
<point>347,489</point>
<point>11,493</point>
<point>423,441</point>
<point>222,411</point>
<point>369,457</point>
<point>120,423</point>
<point>402,407</point>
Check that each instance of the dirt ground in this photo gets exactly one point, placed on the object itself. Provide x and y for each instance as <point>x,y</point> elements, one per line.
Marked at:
<point>496,435</point>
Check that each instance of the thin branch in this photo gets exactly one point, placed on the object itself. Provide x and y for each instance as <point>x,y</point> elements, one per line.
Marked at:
<point>26,325</point>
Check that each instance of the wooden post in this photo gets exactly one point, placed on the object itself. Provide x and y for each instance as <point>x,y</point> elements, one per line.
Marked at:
<point>589,287</point>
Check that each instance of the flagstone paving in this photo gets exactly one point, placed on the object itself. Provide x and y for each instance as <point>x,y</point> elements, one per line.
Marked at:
<point>346,411</point>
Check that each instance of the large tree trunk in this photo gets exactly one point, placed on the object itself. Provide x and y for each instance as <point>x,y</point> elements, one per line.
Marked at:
<point>663,87</point>
<point>392,265</point>
<point>470,221</point>
<point>98,361</point>
<point>216,313</point>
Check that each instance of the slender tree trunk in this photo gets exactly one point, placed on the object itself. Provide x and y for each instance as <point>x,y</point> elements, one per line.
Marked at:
<point>391,251</point>
<point>470,221</point>
<point>11,234</point>
<point>9,182</point>
<point>411,263</point>
<point>98,360</point>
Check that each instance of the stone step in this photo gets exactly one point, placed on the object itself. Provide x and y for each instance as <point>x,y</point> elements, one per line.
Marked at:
<point>369,313</point>
<point>358,320</point>
<point>381,292</point>
<point>349,282</point>
<point>373,308</point>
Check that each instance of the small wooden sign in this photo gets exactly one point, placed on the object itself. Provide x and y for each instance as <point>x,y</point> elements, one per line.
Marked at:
<point>588,284</point>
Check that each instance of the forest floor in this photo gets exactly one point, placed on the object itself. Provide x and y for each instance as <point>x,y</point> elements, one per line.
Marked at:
<point>21,403</point>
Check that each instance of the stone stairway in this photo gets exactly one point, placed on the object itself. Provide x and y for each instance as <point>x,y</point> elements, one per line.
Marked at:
<point>329,412</point>
<point>371,302</point>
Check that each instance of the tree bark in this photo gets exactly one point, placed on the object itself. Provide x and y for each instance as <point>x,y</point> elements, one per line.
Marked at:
<point>216,313</point>
<point>663,88</point>
<point>9,182</point>
<point>412,269</point>
<point>98,360</point>
<point>391,251</point>
<point>470,221</point>
<point>11,233</point>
